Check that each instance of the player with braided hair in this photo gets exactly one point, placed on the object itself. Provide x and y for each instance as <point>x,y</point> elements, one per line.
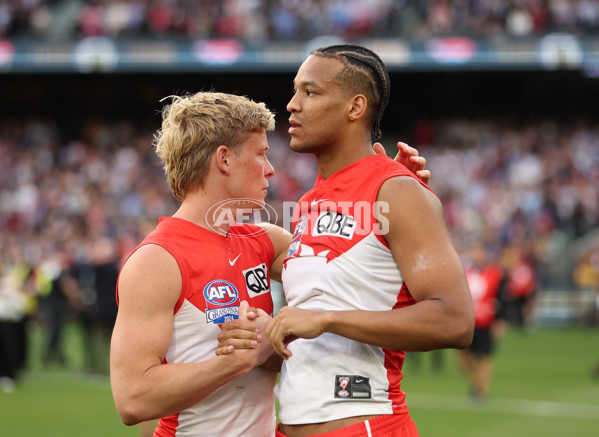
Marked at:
<point>371,271</point>
<point>363,67</point>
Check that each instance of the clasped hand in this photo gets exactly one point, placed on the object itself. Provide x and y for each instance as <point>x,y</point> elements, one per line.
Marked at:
<point>246,333</point>
<point>252,329</point>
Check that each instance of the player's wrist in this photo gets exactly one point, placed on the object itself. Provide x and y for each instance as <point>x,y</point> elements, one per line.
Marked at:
<point>239,362</point>
<point>328,321</point>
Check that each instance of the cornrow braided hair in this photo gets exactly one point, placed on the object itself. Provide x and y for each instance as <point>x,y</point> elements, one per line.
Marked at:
<point>360,64</point>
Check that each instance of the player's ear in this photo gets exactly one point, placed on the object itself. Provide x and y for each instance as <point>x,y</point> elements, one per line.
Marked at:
<point>222,156</point>
<point>358,106</point>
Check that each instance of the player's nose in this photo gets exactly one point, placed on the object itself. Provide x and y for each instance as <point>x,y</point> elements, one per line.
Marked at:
<point>269,170</point>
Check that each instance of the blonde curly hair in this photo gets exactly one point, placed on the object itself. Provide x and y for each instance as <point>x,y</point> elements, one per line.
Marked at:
<point>194,125</point>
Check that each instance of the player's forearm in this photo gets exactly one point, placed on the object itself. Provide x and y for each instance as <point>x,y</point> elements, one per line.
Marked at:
<point>273,363</point>
<point>169,388</point>
<point>427,325</point>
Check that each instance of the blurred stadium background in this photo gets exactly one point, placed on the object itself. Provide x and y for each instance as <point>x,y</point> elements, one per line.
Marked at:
<point>499,96</point>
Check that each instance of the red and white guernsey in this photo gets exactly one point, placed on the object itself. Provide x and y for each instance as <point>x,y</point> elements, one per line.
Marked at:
<point>484,285</point>
<point>339,260</point>
<point>218,272</point>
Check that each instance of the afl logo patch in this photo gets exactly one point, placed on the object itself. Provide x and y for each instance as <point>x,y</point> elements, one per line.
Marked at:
<point>296,240</point>
<point>222,301</point>
<point>220,293</point>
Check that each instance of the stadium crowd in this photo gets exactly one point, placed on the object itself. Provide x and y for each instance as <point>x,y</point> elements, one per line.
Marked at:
<point>259,20</point>
<point>71,212</point>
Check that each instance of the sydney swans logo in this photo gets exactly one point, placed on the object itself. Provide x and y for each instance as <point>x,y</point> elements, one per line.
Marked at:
<point>222,215</point>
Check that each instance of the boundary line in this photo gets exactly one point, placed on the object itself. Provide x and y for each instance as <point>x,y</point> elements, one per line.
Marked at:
<point>525,407</point>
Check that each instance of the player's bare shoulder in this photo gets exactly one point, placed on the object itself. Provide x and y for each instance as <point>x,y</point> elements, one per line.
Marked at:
<point>150,266</point>
<point>402,191</point>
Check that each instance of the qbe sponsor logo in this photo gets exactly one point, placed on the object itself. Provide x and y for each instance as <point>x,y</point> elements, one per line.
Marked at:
<point>222,301</point>
<point>256,280</point>
<point>334,224</point>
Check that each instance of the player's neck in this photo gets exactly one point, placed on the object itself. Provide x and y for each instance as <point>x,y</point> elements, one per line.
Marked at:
<point>334,159</point>
<point>199,207</point>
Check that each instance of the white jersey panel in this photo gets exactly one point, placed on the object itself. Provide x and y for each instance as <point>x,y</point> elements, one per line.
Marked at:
<point>243,407</point>
<point>364,277</point>
<point>190,330</point>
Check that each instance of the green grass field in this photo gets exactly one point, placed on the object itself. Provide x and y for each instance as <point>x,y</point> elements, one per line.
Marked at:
<point>52,401</point>
<point>541,387</point>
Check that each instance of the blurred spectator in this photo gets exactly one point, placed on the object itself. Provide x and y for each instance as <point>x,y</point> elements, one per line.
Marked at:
<point>257,20</point>
<point>57,289</point>
<point>521,285</point>
<point>586,277</point>
<point>91,22</point>
<point>519,21</point>
<point>97,279</point>
<point>16,303</point>
<point>485,278</point>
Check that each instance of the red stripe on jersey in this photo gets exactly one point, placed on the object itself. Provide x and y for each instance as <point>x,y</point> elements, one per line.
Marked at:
<point>394,361</point>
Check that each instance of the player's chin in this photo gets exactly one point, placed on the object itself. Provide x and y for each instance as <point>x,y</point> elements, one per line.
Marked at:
<point>302,146</point>
<point>257,203</point>
<point>259,206</point>
<point>296,145</point>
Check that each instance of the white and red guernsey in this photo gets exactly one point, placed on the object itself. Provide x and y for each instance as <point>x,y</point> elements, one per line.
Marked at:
<point>340,260</point>
<point>218,272</point>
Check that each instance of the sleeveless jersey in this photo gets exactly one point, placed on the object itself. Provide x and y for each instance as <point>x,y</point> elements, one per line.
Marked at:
<point>484,285</point>
<point>339,260</point>
<point>218,272</point>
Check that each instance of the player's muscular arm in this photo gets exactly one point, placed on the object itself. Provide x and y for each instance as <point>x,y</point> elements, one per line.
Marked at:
<point>280,239</point>
<point>420,244</point>
<point>143,388</point>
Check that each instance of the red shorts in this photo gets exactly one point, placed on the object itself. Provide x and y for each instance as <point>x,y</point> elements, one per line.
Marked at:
<point>388,425</point>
